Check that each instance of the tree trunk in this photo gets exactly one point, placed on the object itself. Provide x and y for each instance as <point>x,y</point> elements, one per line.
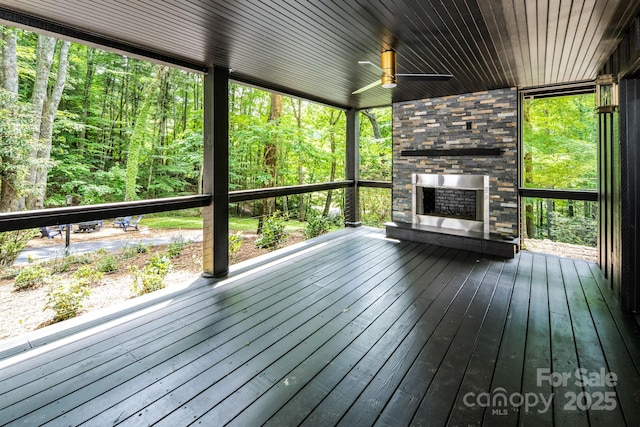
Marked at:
<point>270,157</point>
<point>550,210</point>
<point>44,60</point>
<point>138,137</point>
<point>374,123</point>
<point>49,111</point>
<point>10,60</point>
<point>9,179</point>
<point>88,79</point>
<point>528,177</point>
<point>297,111</point>
<point>332,175</point>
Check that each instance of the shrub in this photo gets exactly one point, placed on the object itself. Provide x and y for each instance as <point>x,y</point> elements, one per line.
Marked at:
<point>174,249</point>
<point>151,277</point>
<point>31,276</point>
<point>107,264</point>
<point>131,251</point>
<point>66,299</point>
<point>65,263</point>
<point>235,241</point>
<point>86,274</point>
<point>12,243</point>
<point>317,224</point>
<point>273,233</point>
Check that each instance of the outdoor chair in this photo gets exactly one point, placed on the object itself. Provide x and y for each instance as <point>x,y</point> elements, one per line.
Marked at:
<point>51,233</point>
<point>131,223</point>
<point>121,221</point>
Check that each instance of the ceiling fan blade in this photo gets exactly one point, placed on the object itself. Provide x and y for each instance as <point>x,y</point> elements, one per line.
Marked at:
<point>372,64</point>
<point>367,87</point>
<point>424,77</point>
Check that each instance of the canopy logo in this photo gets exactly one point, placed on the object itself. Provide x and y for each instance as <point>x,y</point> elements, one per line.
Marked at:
<point>583,395</point>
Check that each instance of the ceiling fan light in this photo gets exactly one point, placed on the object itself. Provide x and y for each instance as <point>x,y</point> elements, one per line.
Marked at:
<point>389,81</point>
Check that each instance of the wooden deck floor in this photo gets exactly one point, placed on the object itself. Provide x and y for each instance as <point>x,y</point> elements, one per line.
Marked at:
<point>355,330</point>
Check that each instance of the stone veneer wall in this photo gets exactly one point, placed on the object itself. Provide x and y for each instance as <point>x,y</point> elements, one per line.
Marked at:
<point>441,124</point>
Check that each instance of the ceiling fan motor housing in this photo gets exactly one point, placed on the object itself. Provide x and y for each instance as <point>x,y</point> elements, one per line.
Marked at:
<point>388,59</point>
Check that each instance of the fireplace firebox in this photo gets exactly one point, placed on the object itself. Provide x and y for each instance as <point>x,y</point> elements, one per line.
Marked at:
<point>459,202</point>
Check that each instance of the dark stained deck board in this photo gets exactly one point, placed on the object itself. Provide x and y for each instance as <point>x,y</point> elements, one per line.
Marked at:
<point>173,348</point>
<point>564,358</point>
<point>163,319</point>
<point>588,345</point>
<point>538,345</point>
<point>507,372</point>
<point>477,377</point>
<point>356,330</point>
<point>314,392</point>
<point>616,351</point>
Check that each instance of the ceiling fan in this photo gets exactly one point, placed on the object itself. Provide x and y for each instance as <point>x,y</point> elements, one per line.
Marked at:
<point>390,78</point>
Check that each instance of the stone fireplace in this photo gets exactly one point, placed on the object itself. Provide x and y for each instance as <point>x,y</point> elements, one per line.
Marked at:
<point>455,169</point>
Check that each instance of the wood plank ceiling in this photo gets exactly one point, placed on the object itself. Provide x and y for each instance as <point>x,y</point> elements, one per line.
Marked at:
<point>311,47</point>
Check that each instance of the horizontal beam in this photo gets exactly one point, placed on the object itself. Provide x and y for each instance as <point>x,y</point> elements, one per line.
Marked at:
<point>375,184</point>
<point>539,193</point>
<point>73,214</point>
<point>70,215</point>
<point>265,193</point>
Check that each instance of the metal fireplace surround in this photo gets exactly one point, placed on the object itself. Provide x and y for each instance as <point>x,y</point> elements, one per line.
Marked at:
<point>477,183</point>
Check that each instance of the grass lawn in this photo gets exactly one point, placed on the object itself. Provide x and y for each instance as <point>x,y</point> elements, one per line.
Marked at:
<point>160,222</point>
<point>251,224</point>
<point>237,224</point>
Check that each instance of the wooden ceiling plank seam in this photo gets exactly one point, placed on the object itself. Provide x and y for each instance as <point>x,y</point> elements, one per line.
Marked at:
<point>488,14</point>
<point>511,25</point>
<point>542,13</point>
<point>225,27</point>
<point>590,31</point>
<point>573,31</point>
<point>248,26</point>
<point>488,52</point>
<point>427,50</point>
<point>461,40</point>
<point>144,40</point>
<point>552,29</point>
<point>521,27</point>
<point>356,52</point>
<point>126,18</point>
<point>284,69</point>
<point>101,41</point>
<point>531,19</point>
<point>329,53</point>
<point>564,14</point>
<point>622,18</point>
<point>399,41</point>
<point>479,59</point>
<point>591,42</point>
<point>451,48</point>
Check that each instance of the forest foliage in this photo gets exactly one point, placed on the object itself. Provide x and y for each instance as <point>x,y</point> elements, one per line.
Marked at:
<point>560,153</point>
<point>128,129</point>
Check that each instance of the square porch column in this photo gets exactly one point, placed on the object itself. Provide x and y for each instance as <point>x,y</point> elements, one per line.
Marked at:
<point>352,199</point>
<point>215,224</point>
